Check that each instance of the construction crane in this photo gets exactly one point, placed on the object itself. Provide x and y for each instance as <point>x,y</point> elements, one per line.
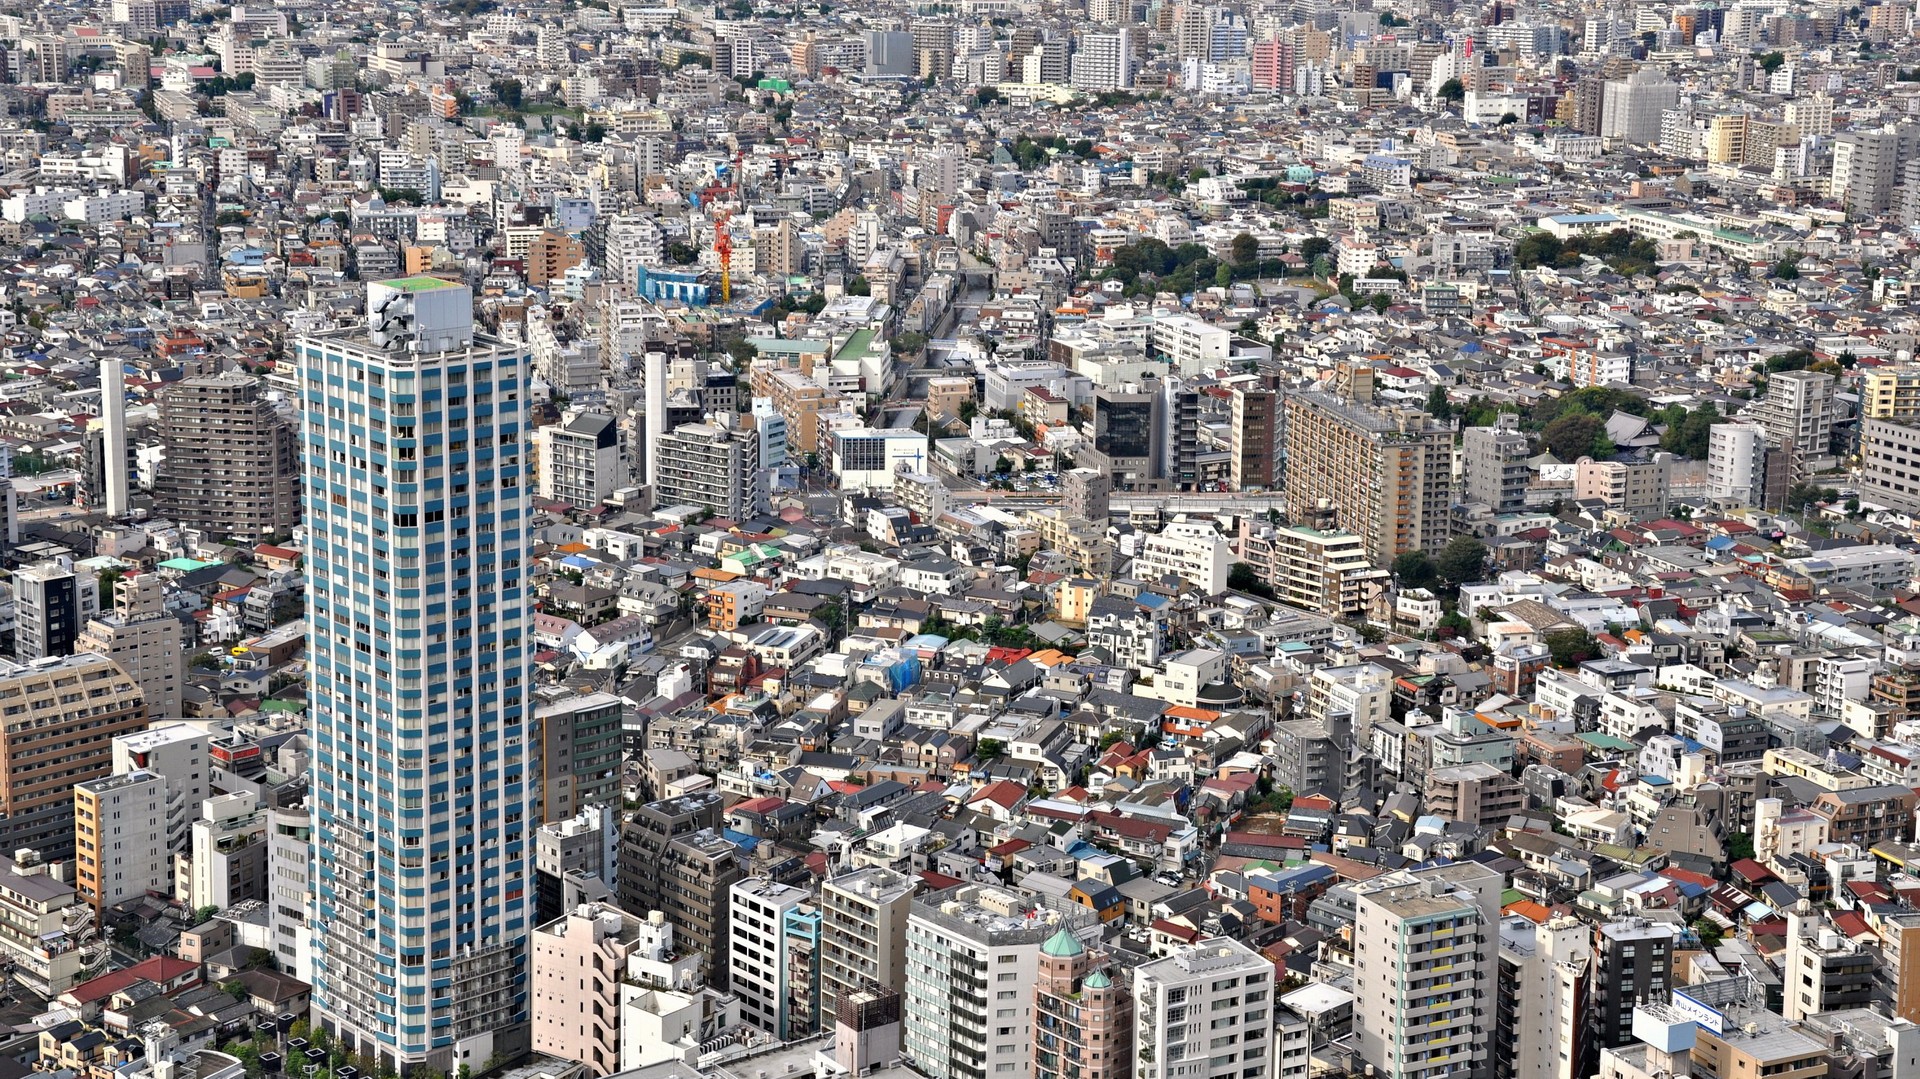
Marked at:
<point>722,239</point>
<point>723,246</point>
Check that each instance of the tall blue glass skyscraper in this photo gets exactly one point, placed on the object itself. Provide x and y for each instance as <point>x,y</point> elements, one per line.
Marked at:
<point>423,778</point>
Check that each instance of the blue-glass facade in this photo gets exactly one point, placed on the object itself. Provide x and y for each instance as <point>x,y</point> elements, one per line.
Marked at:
<point>423,771</point>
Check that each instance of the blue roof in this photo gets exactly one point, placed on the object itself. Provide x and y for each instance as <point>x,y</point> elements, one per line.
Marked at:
<point>740,839</point>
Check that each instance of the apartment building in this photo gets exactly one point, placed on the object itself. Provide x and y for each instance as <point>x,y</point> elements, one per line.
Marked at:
<point>1546,970</point>
<point>757,910</point>
<point>579,460</point>
<point>120,840</point>
<point>51,604</point>
<point>1425,947</point>
<point>1327,572</point>
<point>145,639</point>
<point>973,954</point>
<point>231,466</point>
<point>43,925</point>
<point>1255,430</point>
<point>580,741</point>
<point>1495,464</point>
<point>863,930</point>
<point>1385,474</point>
<point>58,718</point>
<point>578,964</point>
<point>1633,961</point>
<point>714,468</point>
<point>696,873</point>
<point>1082,1018</point>
<point>1205,1011</point>
<point>1824,970</point>
<point>1193,551</point>
<point>643,844</point>
<point>1638,487</point>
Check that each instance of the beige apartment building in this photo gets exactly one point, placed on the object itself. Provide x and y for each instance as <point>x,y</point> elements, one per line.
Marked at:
<point>58,718</point>
<point>863,931</point>
<point>142,637</point>
<point>579,961</point>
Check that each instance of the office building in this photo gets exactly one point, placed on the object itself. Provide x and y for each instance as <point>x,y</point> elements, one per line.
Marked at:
<point>579,459</point>
<point>1633,961</point>
<point>579,739</point>
<point>1385,474</point>
<point>1192,346</point>
<point>51,603</point>
<point>1546,971</point>
<point>1256,438</point>
<point>423,810</point>
<point>1205,1011</point>
<point>578,965</point>
<point>115,475</point>
<point>1424,965</point>
<point>61,715</point>
<point>863,930</point>
<point>757,910</point>
<point>867,459</point>
<point>120,842</point>
<point>1737,464</point>
<point>1082,1019</point>
<point>1128,442</point>
<point>643,844</point>
<point>714,468</point>
<point>145,639</point>
<point>973,955</point>
<point>1323,571</point>
<point>231,467</point>
<point>1494,461</point>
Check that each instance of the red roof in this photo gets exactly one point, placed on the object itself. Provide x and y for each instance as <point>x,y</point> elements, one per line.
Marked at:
<point>760,805</point>
<point>161,969</point>
<point>1004,793</point>
<point>1751,870</point>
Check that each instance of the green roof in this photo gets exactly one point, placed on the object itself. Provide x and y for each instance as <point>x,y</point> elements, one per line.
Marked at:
<point>1097,980</point>
<point>1063,945</point>
<point>186,565</point>
<point>418,284</point>
<point>856,345</point>
<point>1598,740</point>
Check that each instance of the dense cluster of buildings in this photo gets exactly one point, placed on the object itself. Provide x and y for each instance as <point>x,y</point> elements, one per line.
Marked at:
<point>1091,541</point>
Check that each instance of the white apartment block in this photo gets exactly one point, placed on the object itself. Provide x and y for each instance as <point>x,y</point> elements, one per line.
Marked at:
<point>1425,958</point>
<point>756,911</point>
<point>1205,1012</point>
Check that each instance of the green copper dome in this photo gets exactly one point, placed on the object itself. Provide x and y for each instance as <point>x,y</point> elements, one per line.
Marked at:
<point>1063,945</point>
<point>1097,980</point>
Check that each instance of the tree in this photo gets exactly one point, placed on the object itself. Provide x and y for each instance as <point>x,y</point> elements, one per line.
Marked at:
<point>986,95</point>
<point>859,286</point>
<point>681,254</point>
<point>1772,61</point>
<point>1245,250</point>
<point>1242,578</point>
<point>1509,118</point>
<point>1314,247</point>
<point>1453,90</point>
<point>1570,646</point>
<point>1463,559</point>
<point>1788,268</point>
<point>989,749</point>
<point>596,132</point>
<point>1437,404</point>
<point>1415,569</point>
<point>1571,437</point>
<point>1708,933</point>
<point>1739,845</point>
<point>509,91</point>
